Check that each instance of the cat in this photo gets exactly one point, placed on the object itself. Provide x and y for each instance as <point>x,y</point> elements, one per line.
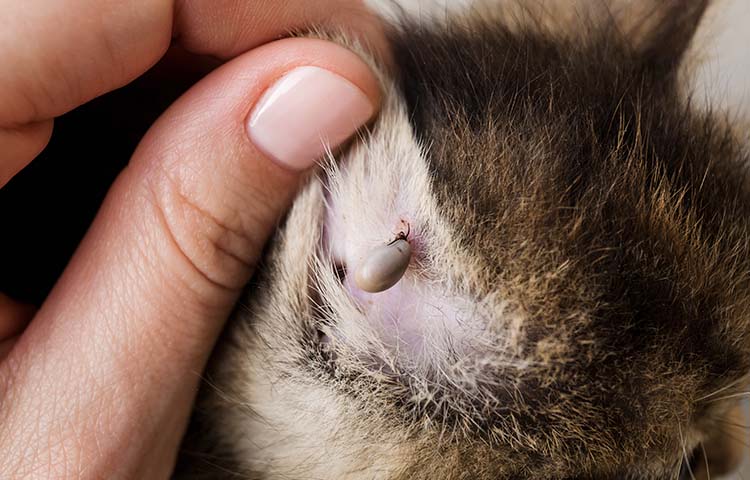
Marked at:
<point>577,298</point>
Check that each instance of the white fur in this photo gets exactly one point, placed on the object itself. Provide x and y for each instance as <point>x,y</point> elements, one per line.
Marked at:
<point>428,324</point>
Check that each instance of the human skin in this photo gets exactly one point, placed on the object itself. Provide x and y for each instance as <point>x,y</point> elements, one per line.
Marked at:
<point>99,381</point>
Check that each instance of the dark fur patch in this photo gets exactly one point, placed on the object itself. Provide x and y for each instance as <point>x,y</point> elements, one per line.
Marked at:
<point>611,210</point>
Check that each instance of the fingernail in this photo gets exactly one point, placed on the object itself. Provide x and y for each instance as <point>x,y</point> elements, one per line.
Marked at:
<point>305,111</point>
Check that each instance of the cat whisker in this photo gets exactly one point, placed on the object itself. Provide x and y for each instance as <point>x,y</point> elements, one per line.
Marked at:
<point>685,454</point>
<point>730,424</point>
<point>722,389</point>
<point>729,397</point>
<point>705,459</point>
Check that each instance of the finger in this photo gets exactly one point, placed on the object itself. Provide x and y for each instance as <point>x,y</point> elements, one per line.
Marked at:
<point>225,28</point>
<point>132,320</point>
<point>85,48</point>
<point>20,145</point>
<point>57,55</point>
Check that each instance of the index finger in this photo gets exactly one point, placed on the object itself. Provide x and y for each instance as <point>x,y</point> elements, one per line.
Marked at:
<point>59,54</point>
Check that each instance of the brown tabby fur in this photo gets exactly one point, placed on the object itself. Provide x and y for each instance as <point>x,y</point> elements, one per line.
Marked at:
<point>567,187</point>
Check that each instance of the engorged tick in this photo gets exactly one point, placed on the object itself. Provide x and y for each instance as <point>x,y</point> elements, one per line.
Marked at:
<point>384,266</point>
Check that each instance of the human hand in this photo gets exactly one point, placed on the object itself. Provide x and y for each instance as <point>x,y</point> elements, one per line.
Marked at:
<point>101,381</point>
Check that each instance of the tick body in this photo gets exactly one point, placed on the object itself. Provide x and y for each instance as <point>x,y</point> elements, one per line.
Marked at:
<point>384,266</point>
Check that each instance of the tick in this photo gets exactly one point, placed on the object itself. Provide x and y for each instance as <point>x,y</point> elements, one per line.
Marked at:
<point>384,266</point>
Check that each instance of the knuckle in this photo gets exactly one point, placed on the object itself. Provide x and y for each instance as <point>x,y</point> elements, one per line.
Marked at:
<point>207,233</point>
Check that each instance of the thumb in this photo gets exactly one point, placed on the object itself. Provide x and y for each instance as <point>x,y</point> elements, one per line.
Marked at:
<point>161,267</point>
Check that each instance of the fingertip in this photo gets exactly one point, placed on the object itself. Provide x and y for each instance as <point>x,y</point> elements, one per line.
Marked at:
<point>20,145</point>
<point>305,112</point>
<point>355,66</point>
<point>318,97</point>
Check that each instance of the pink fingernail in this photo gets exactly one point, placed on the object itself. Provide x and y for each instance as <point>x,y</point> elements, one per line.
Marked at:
<point>306,110</point>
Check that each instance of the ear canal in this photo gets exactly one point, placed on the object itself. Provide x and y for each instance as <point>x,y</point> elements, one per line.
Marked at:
<point>661,33</point>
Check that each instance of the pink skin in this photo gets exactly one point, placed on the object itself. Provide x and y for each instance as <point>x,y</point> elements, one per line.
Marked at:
<point>413,317</point>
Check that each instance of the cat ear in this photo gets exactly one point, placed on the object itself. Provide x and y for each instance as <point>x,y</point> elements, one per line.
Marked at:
<point>658,31</point>
<point>661,31</point>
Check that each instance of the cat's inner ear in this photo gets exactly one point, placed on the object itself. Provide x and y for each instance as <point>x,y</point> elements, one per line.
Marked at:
<point>659,31</point>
